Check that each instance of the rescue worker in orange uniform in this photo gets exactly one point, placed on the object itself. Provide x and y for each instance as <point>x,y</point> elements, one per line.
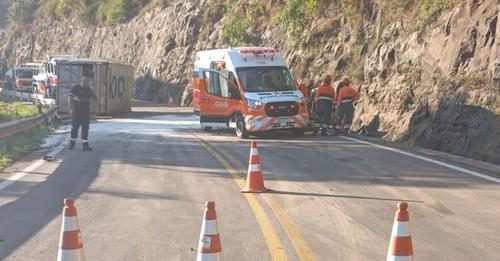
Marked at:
<point>345,106</point>
<point>324,98</point>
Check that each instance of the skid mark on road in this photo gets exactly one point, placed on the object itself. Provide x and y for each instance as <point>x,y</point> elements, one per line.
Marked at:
<point>273,242</point>
<point>300,245</point>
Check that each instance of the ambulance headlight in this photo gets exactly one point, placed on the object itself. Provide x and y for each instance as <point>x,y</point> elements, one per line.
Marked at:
<point>254,104</point>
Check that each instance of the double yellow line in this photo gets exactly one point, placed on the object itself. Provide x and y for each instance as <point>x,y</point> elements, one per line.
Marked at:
<point>273,242</point>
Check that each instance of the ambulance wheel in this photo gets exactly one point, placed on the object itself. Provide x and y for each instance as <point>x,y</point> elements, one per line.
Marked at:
<point>298,132</point>
<point>241,130</point>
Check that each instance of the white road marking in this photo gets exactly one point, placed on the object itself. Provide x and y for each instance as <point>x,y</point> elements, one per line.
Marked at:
<point>19,174</point>
<point>437,162</point>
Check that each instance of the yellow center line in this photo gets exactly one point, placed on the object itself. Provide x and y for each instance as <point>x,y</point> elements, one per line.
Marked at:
<point>276,249</point>
<point>300,245</point>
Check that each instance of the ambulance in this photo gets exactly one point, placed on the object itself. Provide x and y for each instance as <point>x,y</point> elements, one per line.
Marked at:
<point>249,89</point>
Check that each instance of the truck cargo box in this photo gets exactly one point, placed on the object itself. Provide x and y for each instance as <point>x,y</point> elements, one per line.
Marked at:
<point>112,83</point>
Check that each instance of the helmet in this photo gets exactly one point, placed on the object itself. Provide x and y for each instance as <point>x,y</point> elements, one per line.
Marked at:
<point>346,81</point>
<point>328,79</point>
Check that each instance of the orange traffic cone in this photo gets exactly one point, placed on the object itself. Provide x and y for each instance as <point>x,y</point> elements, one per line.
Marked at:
<point>400,246</point>
<point>209,246</point>
<point>255,180</point>
<point>70,243</point>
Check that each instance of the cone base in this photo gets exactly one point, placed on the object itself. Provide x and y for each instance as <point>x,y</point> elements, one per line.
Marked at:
<point>254,190</point>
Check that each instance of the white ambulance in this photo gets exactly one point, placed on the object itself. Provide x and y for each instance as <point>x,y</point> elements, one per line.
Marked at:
<point>249,89</point>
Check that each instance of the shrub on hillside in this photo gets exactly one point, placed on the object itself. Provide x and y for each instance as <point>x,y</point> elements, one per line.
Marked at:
<point>98,11</point>
<point>253,11</point>
<point>430,9</point>
<point>214,10</point>
<point>295,14</point>
<point>233,32</point>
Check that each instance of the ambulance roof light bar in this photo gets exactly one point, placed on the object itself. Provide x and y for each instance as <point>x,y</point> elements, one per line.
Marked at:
<point>257,52</point>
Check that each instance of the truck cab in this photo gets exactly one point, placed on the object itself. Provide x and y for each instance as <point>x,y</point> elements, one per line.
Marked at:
<point>23,79</point>
<point>248,89</point>
<point>40,79</point>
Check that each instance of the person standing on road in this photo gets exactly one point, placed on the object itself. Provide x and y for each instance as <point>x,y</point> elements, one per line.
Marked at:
<point>324,98</point>
<point>79,101</point>
<point>345,106</point>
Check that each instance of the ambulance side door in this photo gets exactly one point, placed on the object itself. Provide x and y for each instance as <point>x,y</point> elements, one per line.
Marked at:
<point>218,100</point>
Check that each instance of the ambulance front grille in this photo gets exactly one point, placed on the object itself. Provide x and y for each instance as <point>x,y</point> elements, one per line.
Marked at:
<point>278,109</point>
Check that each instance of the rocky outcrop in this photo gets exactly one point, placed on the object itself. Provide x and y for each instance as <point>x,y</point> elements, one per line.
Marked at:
<point>436,87</point>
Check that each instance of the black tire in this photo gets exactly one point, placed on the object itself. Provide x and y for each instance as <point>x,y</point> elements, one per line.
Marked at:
<point>241,130</point>
<point>298,132</point>
<point>207,129</point>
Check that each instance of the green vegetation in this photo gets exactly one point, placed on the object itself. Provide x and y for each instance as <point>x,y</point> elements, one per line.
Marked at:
<point>98,11</point>
<point>430,9</point>
<point>238,18</point>
<point>254,11</point>
<point>295,15</point>
<point>16,110</point>
<point>214,10</point>
<point>473,80</point>
<point>20,14</point>
<point>21,144</point>
<point>234,32</point>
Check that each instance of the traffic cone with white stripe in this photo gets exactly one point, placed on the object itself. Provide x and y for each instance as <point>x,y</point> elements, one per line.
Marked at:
<point>400,246</point>
<point>209,245</point>
<point>70,243</point>
<point>255,179</point>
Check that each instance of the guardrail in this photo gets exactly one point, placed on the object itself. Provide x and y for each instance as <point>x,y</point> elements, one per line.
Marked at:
<point>13,127</point>
<point>10,128</point>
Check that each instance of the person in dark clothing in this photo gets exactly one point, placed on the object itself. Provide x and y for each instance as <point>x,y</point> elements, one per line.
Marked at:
<point>79,100</point>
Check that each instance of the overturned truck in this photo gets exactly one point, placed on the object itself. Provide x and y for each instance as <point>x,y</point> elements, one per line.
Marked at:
<point>112,84</point>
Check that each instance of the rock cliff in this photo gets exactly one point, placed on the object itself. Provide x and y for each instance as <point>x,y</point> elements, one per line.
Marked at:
<point>433,84</point>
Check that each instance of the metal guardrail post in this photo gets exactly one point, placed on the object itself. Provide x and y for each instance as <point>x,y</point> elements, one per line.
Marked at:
<point>8,144</point>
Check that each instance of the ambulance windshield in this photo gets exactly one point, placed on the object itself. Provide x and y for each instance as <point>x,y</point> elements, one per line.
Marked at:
<point>266,79</point>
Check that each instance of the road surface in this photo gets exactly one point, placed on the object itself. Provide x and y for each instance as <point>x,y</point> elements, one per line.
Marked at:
<point>140,196</point>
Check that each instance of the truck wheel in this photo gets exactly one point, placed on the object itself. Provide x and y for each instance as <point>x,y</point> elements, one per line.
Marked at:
<point>298,132</point>
<point>207,129</point>
<point>241,130</point>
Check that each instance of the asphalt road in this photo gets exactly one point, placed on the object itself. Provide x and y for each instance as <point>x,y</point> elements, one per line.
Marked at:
<point>140,196</point>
